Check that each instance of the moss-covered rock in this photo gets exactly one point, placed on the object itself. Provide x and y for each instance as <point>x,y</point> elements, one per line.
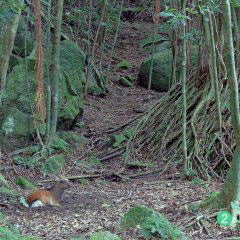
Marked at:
<point>162,68</point>
<point>24,183</point>
<point>161,74</point>
<point>24,40</point>
<point>54,164</point>
<point>21,87</point>
<point>96,84</point>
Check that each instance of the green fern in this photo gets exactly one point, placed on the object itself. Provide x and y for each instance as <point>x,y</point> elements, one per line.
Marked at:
<point>152,224</point>
<point>9,232</point>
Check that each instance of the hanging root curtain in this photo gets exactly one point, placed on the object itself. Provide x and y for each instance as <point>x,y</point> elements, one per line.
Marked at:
<point>158,134</point>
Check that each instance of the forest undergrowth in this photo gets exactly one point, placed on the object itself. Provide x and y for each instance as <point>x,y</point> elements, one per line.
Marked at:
<point>97,203</point>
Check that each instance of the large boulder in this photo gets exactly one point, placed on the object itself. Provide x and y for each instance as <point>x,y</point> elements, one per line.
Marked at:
<point>24,41</point>
<point>162,69</point>
<point>161,72</point>
<point>19,95</point>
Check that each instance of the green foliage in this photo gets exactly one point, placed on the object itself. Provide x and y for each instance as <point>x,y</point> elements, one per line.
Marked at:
<point>135,216</point>
<point>124,65</point>
<point>10,7</point>
<point>119,139</point>
<point>174,16</point>
<point>23,202</point>
<point>71,137</point>
<point>235,3</point>
<point>226,106</point>
<point>78,238</point>
<point>125,82</point>
<point>27,162</point>
<point>104,236</point>
<point>3,181</point>
<point>93,160</point>
<point>59,144</point>
<point>10,232</point>
<point>90,162</point>
<point>8,192</point>
<point>8,125</point>
<point>83,181</point>
<point>208,201</point>
<point>128,133</point>
<point>54,164</point>
<point>190,172</point>
<point>198,181</point>
<point>24,183</point>
<point>152,224</point>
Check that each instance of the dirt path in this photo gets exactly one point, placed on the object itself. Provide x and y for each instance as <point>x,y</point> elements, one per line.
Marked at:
<point>98,205</point>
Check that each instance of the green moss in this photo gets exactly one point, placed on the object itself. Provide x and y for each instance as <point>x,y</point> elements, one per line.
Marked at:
<point>162,67</point>
<point>8,192</point>
<point>124,65</point>
<point>104,236</point>
<point>3,181</point>
<point>125,82</point>
<point>20,91</point>
<point>24,183</point>
<point>54,164</point>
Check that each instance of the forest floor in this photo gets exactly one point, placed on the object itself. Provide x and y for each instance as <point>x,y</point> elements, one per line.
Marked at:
<point>99,204</point>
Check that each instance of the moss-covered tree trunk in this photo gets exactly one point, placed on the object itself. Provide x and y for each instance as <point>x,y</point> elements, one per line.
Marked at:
<point>54,68</point>
<point>231,188</point>
<point>7,46</point>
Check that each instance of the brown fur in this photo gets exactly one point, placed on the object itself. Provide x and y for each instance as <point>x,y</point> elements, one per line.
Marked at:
<point>51,196</point>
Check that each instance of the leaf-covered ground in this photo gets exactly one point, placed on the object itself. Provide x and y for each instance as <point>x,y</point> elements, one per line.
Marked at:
<point>99,203</point>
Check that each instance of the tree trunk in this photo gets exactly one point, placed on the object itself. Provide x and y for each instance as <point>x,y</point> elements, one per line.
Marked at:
<point>231,189</point>
<point>186,165</point>
<point>7,47</point>
<point>54,69</point>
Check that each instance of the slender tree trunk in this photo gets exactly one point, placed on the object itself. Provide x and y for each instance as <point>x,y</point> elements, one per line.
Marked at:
<point>91,58</point>
<point>213,67</point>
<point>186,166</point>
<point>54,69</point>
<point>231,189</point>
<point>104,40</point>
<point>7,47</point>
<point>152,58</point>
<point>48,61</point>
<point>237,38</point>
<point>114,43</point>
<point>156,20</point>
<point>104,18</point>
